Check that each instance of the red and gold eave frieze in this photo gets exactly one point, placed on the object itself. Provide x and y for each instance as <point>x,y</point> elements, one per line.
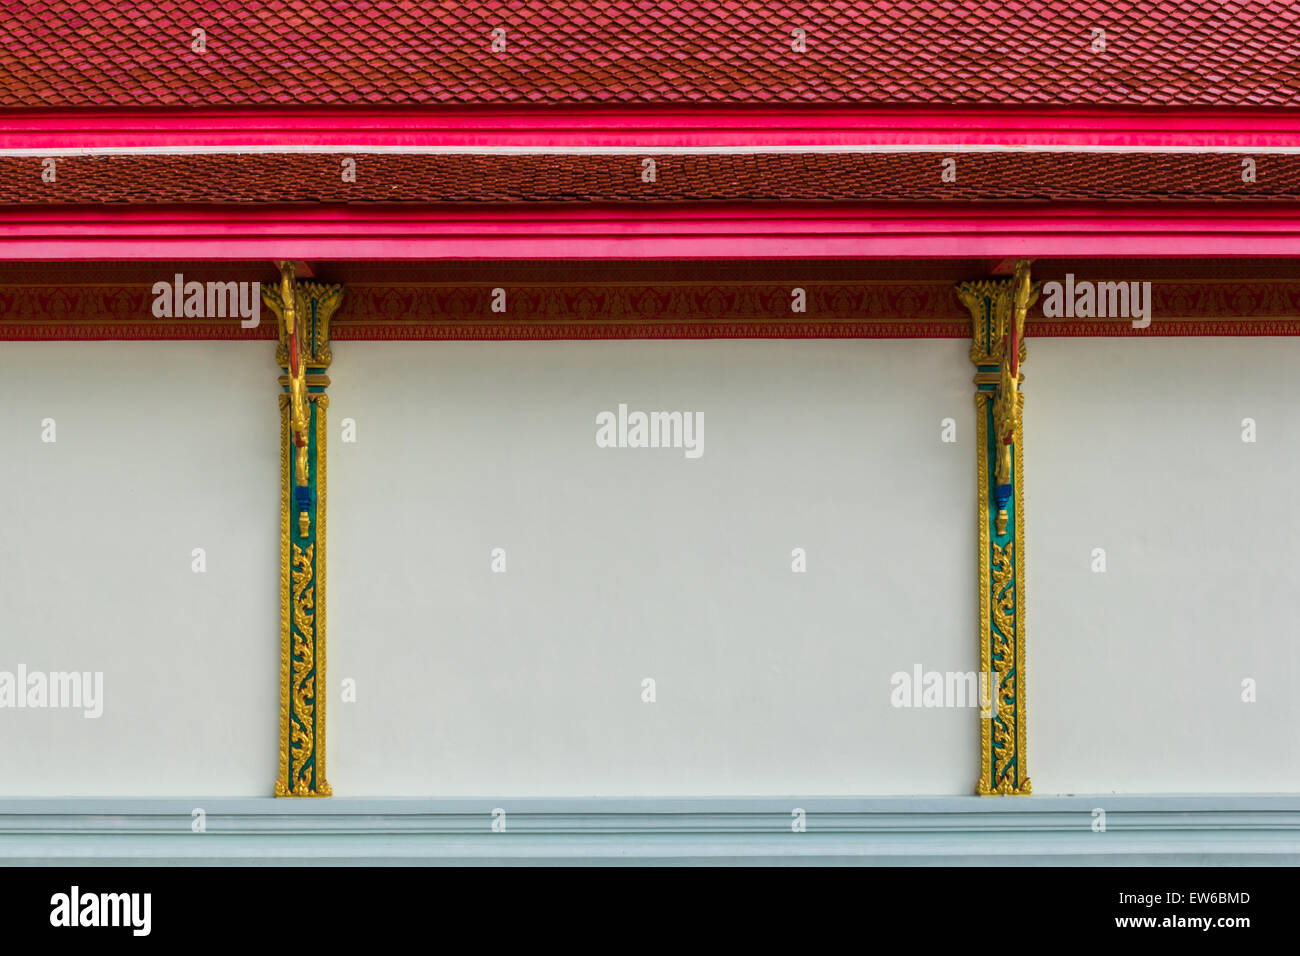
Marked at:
<point>535,310</point>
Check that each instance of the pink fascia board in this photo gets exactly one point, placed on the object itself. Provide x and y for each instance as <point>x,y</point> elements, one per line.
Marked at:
<point>720,231</point>
<point>640,127</point>
<point>756,230</point>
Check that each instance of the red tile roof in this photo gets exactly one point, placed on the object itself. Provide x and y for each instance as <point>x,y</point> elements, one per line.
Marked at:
<point>585,178</point>
<point>89,53</point>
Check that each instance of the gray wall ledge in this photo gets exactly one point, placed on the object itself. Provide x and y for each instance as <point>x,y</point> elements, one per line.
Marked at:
<point>1173,829</point>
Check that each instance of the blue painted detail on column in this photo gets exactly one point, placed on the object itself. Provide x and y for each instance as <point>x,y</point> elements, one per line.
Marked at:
<point>1002,494</point>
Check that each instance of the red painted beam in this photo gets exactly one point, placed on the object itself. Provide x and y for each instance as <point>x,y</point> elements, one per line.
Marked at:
<point>635,127</point>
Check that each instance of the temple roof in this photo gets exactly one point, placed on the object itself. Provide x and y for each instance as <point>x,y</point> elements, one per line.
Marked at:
<point>582,178</point>
<point>93,53</point>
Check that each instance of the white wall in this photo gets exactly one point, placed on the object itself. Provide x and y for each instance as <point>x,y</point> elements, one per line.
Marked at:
<point>1135,675</point>
<point>624,564</point>
<point>162,447</point>
<point>629,563</point>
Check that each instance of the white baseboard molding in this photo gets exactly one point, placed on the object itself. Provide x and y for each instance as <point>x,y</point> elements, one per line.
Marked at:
<point>1229,829</point>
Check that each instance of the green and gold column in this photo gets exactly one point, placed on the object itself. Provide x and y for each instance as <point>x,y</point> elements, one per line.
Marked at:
<point>304,310</point>
<point>998,308</point>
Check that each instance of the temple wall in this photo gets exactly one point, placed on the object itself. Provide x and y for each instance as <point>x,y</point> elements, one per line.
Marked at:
<point>161,448</point>
<point>625,563</point>
<point>1135,674</point>
<point>629,563</point>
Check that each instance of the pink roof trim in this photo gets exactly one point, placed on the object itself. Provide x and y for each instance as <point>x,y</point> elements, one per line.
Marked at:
<point>724,232</point>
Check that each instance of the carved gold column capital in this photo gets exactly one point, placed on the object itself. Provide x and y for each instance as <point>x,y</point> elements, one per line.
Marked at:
<point>315,304</point>
<point>990,303</point>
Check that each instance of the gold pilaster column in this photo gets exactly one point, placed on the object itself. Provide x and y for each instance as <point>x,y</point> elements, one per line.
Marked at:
<point>304,310</point>
<point>998,308</point>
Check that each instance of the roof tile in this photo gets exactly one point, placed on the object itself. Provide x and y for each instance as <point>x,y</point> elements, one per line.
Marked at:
<point>88,53</point>
<point>591,178</point>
